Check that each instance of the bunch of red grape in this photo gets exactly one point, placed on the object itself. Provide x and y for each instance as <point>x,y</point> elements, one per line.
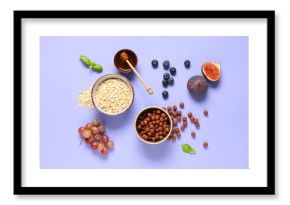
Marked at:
<point>94,134</point>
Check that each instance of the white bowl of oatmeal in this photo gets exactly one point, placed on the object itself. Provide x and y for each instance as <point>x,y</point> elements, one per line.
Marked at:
<point>112,94</point>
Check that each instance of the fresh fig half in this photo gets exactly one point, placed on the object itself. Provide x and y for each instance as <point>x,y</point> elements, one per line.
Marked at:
<point>212,71</point>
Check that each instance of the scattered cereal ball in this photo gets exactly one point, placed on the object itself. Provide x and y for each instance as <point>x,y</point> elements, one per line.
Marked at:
<point>174,122</point>
<point>181,104</point>
<point>184,119</point>
<point>173,130</point>
<point>205,145</point>
<point>193,134</point>
<point>189,114</point>
<point>182,128</point>
<point>184,123</point>
<point>205,113</point>
<point>174,107</point>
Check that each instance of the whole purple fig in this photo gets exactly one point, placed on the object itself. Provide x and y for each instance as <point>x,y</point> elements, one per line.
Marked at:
<point>197,85</point>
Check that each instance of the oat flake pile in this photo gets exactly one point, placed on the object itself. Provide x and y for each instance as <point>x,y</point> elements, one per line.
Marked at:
<point>85,99</point>
<point>113,96</point>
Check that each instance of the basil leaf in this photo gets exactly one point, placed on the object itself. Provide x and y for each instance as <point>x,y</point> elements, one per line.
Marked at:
<point>86,60</point>
<point>97,67</point>
<point>188,149</point>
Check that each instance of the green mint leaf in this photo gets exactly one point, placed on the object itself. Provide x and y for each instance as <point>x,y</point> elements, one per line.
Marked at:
<point>188,149</point>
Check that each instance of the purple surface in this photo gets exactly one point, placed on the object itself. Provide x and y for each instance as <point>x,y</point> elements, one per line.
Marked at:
<point>62,75</point>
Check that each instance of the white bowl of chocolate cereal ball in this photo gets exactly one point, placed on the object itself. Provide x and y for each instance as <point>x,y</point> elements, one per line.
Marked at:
<point>153,125</point>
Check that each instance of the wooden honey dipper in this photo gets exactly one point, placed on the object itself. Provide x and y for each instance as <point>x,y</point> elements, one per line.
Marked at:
<point>124,56</point>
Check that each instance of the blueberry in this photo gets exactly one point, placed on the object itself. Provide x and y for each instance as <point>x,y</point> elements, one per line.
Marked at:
<point>187,63</point>
<point>166,64</point>
<point>171,81</point>
<point>154,63</point>
<point>166,76</point>
<point>165,94</point>
<point>165,83</point>
<point>172,71</point>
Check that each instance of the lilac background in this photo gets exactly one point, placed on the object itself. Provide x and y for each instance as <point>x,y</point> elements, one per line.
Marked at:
<point>62,75</point>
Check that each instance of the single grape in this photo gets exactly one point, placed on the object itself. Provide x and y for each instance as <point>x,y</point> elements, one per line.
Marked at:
<point>97,137</point>
<point>89,126</point>
<point>101,146</point>
<point>101,129</point>
<point>96,122</point>
<point>105,151</point>
<point>81,129</point>
<point>95,130</point>
<point>110,144</point>
<point>94,145</point>
<point>89,140</point>
<point>105,139</point>
<point>86,133</point>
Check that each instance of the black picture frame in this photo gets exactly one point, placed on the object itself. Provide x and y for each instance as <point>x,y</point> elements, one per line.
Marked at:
<point>268,190</point>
